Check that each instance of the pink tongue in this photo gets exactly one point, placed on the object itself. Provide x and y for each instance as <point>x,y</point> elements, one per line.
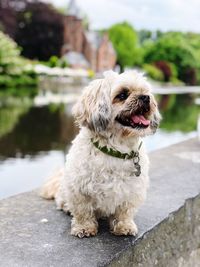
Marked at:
<point>140,119</point>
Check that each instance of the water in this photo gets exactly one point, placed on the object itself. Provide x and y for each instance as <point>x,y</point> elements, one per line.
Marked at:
<point>34,139</point>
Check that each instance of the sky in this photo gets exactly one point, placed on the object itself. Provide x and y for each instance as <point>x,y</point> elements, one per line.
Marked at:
<point>181,15</point>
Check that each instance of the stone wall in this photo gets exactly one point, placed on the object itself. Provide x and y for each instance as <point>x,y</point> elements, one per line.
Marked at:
<point>34,234</point>
<point>175,242</point>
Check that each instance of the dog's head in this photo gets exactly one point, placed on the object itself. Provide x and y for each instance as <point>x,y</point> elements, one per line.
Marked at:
<point>118,104</point>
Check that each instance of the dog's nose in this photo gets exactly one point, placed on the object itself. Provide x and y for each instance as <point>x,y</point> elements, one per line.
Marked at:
<point>145,98</point>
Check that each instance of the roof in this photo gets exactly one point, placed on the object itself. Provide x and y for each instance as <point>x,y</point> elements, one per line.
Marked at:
<point>95,39</point>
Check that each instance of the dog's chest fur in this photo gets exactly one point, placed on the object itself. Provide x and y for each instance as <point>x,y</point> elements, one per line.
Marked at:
<point>109,181</point>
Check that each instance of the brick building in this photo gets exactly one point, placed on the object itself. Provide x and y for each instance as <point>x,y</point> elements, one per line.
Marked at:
<point>83,48</point>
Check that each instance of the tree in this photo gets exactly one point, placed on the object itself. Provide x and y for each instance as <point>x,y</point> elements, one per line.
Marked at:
<point>144,35</point>
<point>8,15</point>
<point>40,31</point>
<point>125,42</point>
<point>36,26</point>
<point>174,48</point>
<point>17,76</point>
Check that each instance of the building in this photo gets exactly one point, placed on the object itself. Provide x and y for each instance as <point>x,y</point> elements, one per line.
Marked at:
<point>84,48</point>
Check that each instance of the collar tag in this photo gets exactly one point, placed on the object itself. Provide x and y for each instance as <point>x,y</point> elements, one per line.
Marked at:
<point>136,160</point>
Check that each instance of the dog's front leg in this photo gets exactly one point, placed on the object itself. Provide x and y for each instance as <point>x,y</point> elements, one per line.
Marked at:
<point>84,223</point>
<point>121,222</point>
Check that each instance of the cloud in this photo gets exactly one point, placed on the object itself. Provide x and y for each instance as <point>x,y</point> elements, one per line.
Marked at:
<point>150,14</point>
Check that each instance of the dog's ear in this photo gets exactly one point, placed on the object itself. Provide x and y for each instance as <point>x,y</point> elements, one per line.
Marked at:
<point>93,109</point>
<point>110,76</point>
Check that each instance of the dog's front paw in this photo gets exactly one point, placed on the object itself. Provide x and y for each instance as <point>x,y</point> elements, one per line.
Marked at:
<point>84,231</point>
<point>124,228</point>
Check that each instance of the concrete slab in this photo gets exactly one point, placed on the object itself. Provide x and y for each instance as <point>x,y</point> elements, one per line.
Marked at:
<point>33,233</point>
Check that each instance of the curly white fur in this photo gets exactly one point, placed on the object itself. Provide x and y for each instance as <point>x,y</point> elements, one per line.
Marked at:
<point>95,184</point>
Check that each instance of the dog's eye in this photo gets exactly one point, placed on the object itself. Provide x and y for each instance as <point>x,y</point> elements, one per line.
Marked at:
<point>123,95</point>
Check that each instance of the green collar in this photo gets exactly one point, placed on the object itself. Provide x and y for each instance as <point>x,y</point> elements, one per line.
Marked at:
<point>134,155</point>
<point>116,153</point>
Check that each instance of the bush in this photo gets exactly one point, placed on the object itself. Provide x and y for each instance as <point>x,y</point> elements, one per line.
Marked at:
<point>174,48</point>
<point>54,61</point>
<point>15,72</point>
<point>153,72</point>
<point>176,81</point>
<point>174,71</point>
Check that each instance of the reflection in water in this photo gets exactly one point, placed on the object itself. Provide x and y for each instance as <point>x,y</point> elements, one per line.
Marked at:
<point>40,129</point>
<point>33,144</point>
<point>179,112</point>
<point>34,140</point>
<point>9,116</point>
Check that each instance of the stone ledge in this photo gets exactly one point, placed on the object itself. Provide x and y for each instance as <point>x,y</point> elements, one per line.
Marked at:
<point>169,223</point>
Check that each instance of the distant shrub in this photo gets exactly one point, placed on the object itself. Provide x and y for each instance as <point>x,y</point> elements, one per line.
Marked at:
<point>174,71</point>
<point>175,47</point>
<point>176,81</point>
<point>153,72</point>
<point>53,61</point>
<point>165,68</point>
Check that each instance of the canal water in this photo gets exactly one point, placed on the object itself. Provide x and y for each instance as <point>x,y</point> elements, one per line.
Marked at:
<point>35,136</point>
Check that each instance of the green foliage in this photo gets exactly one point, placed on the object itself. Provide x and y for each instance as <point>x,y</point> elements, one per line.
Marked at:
<point>174,48</point>
<point>174,71</point>
<point>16,73</point>
<point>125,42</point>
<point>153,72</point>
<point>53,61</point>
<point>176,82</point>
<point>178,52</point>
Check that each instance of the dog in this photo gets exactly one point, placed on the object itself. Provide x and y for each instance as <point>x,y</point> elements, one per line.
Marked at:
<point>106,170</point>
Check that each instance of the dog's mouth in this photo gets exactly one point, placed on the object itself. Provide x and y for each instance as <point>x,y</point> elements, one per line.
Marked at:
<point>137,120</point>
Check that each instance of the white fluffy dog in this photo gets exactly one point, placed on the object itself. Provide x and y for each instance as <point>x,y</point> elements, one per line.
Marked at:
<point>106,172</point>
